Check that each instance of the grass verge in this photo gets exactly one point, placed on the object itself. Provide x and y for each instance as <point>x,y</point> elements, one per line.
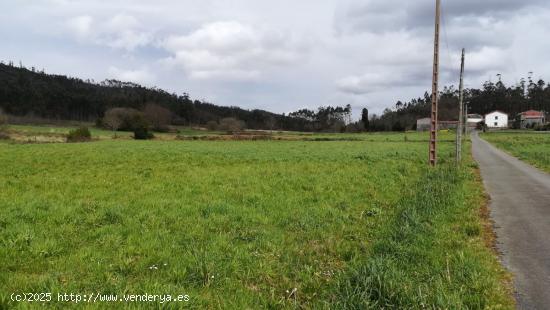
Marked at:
<point>432,253</point>
<point>529,146</point>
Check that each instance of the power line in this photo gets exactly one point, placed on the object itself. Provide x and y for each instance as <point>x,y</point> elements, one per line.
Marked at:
<point>445,35</point>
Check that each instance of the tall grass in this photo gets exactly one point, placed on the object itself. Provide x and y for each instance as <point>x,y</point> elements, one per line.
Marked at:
<point>256,224</point>
<point>430,254</point>
<point>532,147</point>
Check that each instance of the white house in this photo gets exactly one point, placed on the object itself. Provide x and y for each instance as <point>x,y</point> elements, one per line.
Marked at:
<point>496,119</point>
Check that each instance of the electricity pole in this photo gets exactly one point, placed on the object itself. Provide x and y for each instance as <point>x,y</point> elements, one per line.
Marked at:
<point>435,89</point>
<point>460,112</point>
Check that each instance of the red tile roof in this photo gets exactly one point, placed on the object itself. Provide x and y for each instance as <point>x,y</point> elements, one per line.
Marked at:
<point>532,114</point>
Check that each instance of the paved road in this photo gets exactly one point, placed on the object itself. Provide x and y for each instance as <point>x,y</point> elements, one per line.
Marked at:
<point>520,207</point>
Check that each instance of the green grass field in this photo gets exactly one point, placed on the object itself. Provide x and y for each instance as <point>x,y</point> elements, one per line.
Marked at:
<point>248,224</point>
<point>532,147</point>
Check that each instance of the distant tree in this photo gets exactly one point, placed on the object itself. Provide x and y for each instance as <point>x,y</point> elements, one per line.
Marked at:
<point>399,105</point>
<point>271,122</point>
<point>141,127</point>
<point>3,125</point>
<point>355,127</point>
<point>365,118</point>
<point>159,116</point>
<point>231,125</point>
<point>212,125</point>
<point>113,119</point>
<point>3,118</point>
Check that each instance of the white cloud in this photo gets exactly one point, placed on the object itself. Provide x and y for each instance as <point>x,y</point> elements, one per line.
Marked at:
<point>121,31</point>
<point>81,25</point>
<point>141,76</point>
<point>362,84</point>
<point>231,50</point>
<point>250,53</point>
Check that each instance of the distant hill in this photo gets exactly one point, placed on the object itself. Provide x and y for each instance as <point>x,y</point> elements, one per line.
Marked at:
<point>29,92</point>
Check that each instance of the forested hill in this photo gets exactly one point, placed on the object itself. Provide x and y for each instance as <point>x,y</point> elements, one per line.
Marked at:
<point>30,92</point>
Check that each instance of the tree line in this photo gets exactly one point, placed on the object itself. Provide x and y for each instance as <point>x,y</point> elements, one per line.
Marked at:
<point>527,94</point>
<point>25,92</point>
<point>30,92</point>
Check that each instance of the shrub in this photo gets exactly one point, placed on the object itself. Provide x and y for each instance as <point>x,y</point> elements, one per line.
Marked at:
<point>3,119</point>
<point>3,126</point>
<point>120,119</point>
<point>81,134</point>
<point>158,116</point>
<point>113,119</point>
<point>231,125</point>
<point>212,125</point>
<point>141,128</point>
<point>542,127</point>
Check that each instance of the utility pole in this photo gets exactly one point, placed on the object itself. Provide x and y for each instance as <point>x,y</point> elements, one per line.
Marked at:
<point>460,112</point>
<point>466,112</point>
<point>435,88</point>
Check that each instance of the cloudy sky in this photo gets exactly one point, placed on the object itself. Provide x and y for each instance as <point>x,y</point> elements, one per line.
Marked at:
<point>279,55</point>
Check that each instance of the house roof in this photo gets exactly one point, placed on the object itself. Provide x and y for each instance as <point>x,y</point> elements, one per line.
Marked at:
<point>496,111</point>
<point>532,114</point>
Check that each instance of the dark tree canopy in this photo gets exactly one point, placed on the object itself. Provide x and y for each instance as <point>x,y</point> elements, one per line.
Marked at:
<point>26,92</point>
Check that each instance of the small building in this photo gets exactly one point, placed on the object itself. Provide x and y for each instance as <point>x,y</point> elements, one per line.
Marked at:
<point>529,119</point>
<point>473,119</point>
<point>496,120</point>
<point>423,124</point>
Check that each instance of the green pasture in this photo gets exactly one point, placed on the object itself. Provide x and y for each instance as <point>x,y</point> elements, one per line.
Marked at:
<point>349,224</point>
<point>530,146</point>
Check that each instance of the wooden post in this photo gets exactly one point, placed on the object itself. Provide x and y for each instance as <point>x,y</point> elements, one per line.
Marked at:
<point>435,88</point>
<point>460,112</point>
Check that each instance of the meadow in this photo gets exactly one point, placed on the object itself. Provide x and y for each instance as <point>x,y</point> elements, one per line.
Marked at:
<point>530,146</point>
<point>359,222</point>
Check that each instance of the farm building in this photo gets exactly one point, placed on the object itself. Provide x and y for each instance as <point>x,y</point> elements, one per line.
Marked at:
<point>473,120</point>
<point>424,124</point>
<point>530,118</point>
<point>496,119</point>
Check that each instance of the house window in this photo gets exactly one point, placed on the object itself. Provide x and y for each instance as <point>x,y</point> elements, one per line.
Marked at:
<point>496,118</point>
<point>496,124</point>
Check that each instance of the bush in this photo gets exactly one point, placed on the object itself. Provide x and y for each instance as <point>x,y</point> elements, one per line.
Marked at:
<point>231,125</point>
<point>3,127</point>
<point>158,116</point>
<point>3,119</point>
<point>120,119</point>
<point>542,127</point>
<point>212,125</point>
<point>81,134</point>
<point>141,128</point>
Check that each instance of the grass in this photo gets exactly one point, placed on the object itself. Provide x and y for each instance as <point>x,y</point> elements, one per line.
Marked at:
<point>52,133</point>
<point>532,147</point>
<point>247,224</point>
<point>430,253</point>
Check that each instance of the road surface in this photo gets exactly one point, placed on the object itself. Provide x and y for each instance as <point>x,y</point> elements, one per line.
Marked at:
<point>520,208</point>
